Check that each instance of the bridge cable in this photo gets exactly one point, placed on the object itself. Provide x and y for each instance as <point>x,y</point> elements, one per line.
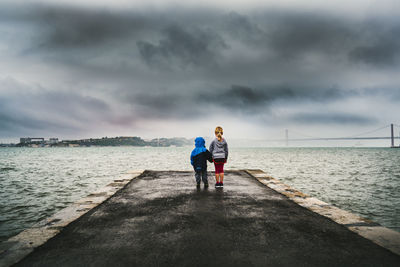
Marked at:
<point>356,135</point>
<point>372,131</point>
<point>351,136</point>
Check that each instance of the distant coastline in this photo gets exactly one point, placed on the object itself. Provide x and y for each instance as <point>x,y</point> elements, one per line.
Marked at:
<point>104,141</point>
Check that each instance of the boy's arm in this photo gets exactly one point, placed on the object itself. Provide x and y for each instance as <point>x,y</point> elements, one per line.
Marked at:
<point>209,156</point>
<point>211,147</point>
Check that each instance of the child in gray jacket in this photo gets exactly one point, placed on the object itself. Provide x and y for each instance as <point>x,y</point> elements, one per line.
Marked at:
<point>219,151</point>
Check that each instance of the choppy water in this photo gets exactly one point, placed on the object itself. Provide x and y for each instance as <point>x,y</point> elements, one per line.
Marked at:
<point>37,182</point>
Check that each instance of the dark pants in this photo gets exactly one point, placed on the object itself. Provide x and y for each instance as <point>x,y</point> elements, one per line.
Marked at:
<point>201,175</point>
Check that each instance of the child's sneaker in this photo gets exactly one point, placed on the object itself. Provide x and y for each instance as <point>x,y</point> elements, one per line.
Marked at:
<point>221,184</point>
<point>206,185</point>
<point>216,185</point>
<point>198,185</point>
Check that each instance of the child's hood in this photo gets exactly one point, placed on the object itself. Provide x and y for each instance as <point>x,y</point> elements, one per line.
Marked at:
<point>221,143</point>
<point>199,142</point>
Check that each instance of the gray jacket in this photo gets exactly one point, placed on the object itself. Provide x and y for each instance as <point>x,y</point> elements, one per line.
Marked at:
<point>219,150</point>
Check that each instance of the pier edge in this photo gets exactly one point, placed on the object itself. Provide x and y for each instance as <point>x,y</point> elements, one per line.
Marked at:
<point>17,247</point>
<point>368,229</point>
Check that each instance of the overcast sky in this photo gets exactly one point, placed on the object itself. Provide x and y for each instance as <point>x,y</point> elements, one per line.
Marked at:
<point>80,69</point>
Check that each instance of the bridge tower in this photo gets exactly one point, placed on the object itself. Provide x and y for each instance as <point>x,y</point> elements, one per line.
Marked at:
<point>392,134</point>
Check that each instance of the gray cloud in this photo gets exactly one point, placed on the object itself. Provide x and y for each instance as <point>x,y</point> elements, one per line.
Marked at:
<point>84,28</point>
<point>293,34</point>
<point>209,39</point>
<point>165,36</point>
<point>238,97</point>
<point>26,110</point>
<point>16,121</point>
<point>332,118</point>
<point>380,44</point>
<point>195,47</point>
<point>183,64</point>
<point>380,54</point>
<point>242,28</point>
<point>165,105</point>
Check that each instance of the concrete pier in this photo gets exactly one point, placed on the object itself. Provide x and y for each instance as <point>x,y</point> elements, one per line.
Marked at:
<point>161,219</point>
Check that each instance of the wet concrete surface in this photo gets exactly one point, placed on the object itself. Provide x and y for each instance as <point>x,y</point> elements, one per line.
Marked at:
<point>161,219</point>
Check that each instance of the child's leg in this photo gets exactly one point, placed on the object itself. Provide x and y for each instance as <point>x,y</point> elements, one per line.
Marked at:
<point>197,175</point>
<point>204,176</point>
<point>216,173</point>
<point>222,173</point>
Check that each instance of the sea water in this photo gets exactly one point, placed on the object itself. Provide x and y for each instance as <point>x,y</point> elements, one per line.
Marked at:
<point>37,182</point>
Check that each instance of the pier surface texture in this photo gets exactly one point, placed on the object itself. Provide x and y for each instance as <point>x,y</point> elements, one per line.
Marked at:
<point>161,219</point>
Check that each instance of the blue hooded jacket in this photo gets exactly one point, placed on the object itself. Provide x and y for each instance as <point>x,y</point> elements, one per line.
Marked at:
<point>200,155</point>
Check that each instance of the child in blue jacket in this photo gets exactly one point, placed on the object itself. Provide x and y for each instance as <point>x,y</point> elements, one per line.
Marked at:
<point>198,159</point>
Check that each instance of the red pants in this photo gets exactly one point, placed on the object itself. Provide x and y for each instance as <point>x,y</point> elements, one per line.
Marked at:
<point>219,167</point>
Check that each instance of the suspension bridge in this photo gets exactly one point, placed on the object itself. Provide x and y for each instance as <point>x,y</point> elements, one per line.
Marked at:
<point>359,136</point>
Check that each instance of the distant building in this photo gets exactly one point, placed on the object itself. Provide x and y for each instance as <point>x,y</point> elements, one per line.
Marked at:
<point>28,140</point>
<point>53,141</point>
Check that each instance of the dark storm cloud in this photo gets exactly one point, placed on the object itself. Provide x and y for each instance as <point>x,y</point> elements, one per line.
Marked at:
<point>69,27</point>
<point>292,35</point>
<point>182,64</point>
<point>240,97</point>
<point>240,27</point>
<point>176,38</point>
<point>380,46</point>
<point>380,54</point>
<point>332,118</point>
<point>188,47</point>
<point>174,34</point>
<point>236,99</point>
